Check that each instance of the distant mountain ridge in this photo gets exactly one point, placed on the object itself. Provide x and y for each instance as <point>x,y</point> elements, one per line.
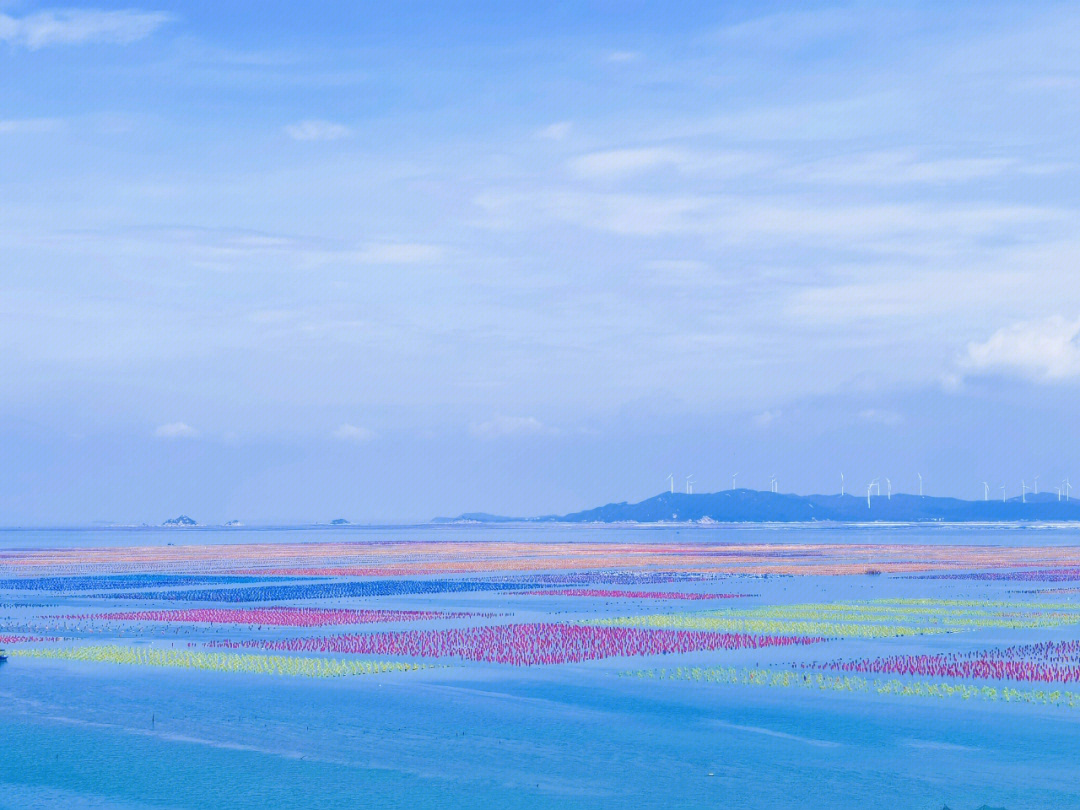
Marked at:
<point>755,506</point>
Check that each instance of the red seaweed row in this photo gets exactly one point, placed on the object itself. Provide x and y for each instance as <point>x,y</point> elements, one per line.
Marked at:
<point>278,616</point>
<point>526,644</point>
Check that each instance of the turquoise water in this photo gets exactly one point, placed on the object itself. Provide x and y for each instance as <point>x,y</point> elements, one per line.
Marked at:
<point>81,734</point>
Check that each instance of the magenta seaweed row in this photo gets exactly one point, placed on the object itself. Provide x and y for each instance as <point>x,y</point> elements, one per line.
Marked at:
<point>1047,662</point>
<point>526,644</point>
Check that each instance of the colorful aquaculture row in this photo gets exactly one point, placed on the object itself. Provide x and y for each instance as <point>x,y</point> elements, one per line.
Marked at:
<point>1047,662</point>
<point>571,578</point>
<point>785,679</point>
<point>1040,575</point>
<point>322,590</point>
<point>636,594</point>
<point>277,616</point>
<point>8,639</point>
<point>119,582</point>
<point>524,644</point>
<point>221,662</point>
<point>575,559</point>
<point>884,619</point>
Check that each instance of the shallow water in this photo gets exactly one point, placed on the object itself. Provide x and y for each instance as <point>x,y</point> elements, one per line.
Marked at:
<point>467,733</point>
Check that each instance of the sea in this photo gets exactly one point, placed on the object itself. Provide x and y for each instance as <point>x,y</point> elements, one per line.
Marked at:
<point>85,722</point>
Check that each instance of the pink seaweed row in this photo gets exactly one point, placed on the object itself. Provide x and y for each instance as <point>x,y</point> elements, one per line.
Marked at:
<point>526,644</point>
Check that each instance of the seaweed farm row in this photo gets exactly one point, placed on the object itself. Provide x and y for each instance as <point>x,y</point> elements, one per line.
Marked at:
<point>870,619</point>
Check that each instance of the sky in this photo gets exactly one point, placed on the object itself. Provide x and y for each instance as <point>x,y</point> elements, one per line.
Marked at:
<point>280,262</point>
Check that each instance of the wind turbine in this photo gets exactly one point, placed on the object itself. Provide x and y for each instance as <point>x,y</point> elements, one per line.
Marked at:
<point>986,491</point>
<point>1058,492</point>
<point>1036,482</point>
<point>1023,491</point>
<point>869,489</point>
<point>689,484</point>
<point>888,485</point>
<point>841,485</point>
<point>920,483</point>
<point>671,477</point>
<point>1068,489</point>
<point>733,480</point>
<point>772,483</point>
<point>1003,493</point>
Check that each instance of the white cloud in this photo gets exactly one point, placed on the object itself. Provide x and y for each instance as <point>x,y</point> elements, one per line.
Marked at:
<point>790,29</point>
<point>621,57</point>
<point>1046,350</point>
<point>766,418</point>
<point>352,433</point>
<point>900,166</point>
<point>508,426</point>
<point>395,253</point>
<point>31,126</point>
<point>176,430</point>
<point>732,219</point>
<point>314,130</point>
<point>556,131</point>
<point>622,162</point>
<point>76,27</point>
<point>877,416</point>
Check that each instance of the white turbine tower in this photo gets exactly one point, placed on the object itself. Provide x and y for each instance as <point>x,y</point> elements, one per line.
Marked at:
<point>671,478</point>
<point>1068,489</point>
<point>869,489</point>
<point>1003,493</point>
<point>1035,489</point>
<point>986,491</point>
<point>888,486</point>
<point>772,483</point>
<point>1058,492</point>
<point>920,483</point>
<point>1023,491</point>
<point>733,480</point>
<point>689,484</point>
<point>841,485</point>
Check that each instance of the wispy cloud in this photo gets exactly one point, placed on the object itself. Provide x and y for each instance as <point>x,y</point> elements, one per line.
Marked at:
<point>395,253</point>
<point>879,416</point>
<point>176,430</point>
<point>316,130</point>
<point>556,131</point>
<point>766,418</point>
<point>621,162</point>
<point>1046,350</point>
<point>81,26</point>
<point>508,426</point>
<point>30,126</point>
<point>353,433</point>
<point>790,29</point>
<point>894,167</point>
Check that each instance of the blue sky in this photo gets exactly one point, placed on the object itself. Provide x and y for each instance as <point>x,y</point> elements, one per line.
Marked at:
<point>283,262</point>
